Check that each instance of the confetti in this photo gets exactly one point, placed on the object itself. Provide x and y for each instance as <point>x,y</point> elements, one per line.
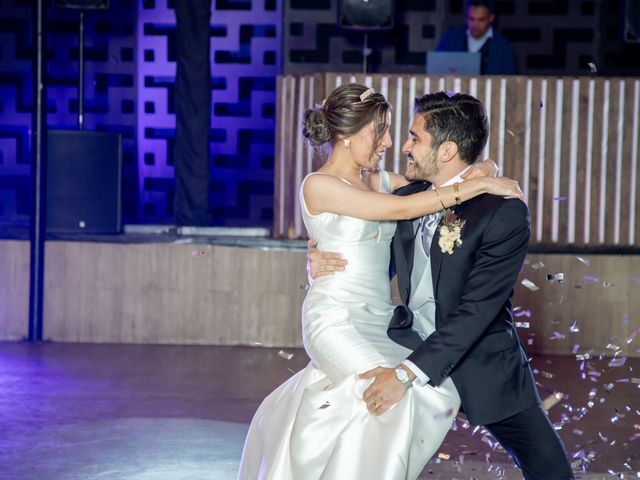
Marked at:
<point>488,441</point>
<point>285,355</point>
<point>590,278</point>
<point>198,253</point>
<point>585,356</point>
<point>632,336</point>
<point>592,67</point>
<point>583,261</point>
<point>523,313</point>
<point>556,277</point>
<point>608,284</point>
<point>537,265</point>
<point>255,344</point>
<point>560,198</point>
<point>551,400</point>
<point>530,285</point>
<point>557,336</point>
<point>511,133</point>
<point>574,328</point>
<point>611,346</point>
<point>618,362</point>
<point>444,456</point>
<point>522,325</point>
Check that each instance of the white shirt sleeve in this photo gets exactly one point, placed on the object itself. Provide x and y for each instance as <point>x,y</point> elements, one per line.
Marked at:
<point>421,378</point>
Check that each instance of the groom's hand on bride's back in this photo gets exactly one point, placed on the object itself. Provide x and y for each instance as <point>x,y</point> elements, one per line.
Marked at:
<point>320,263</point>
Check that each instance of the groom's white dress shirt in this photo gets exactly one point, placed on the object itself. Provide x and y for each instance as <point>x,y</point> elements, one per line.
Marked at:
<point>422,299</point>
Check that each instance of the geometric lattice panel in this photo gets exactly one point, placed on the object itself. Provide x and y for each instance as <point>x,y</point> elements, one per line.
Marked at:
<point>109,80</point>
<point>129,80</point>
<point>245,60</point>
<point>550,37</point>
<point>15,112</point>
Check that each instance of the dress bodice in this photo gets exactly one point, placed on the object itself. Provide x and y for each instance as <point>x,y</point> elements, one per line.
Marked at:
<point>364,244</point>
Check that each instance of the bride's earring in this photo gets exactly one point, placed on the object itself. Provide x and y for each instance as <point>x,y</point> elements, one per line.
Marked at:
<point>347,143</point>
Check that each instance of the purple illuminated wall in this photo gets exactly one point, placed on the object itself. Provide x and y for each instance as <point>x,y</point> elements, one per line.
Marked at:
<point>129,82</point>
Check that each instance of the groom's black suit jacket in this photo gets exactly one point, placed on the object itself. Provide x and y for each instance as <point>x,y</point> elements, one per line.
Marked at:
<point>475,342</point>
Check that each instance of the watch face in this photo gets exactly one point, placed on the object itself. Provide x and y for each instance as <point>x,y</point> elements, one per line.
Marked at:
<point>402,375</point>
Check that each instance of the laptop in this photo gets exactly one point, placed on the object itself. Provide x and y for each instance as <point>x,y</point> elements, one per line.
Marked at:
<point>453,63</point>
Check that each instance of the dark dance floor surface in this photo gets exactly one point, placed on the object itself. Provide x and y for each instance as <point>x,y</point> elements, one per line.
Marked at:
<point>147,412</point>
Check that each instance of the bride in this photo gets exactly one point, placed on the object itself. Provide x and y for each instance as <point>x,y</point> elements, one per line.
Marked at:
<point>316,425</point>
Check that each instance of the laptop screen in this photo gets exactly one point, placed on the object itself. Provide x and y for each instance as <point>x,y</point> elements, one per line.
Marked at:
<point>453,63</point>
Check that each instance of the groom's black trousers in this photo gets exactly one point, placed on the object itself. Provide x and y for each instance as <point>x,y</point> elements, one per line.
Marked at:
<point>534,444</point>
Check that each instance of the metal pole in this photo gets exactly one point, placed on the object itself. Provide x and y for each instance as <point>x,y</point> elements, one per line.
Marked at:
<point>38,177</point>
<point>81,74</point>
<point>365,54</point>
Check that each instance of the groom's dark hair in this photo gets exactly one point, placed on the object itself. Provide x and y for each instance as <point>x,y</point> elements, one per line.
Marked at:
<point>457,118</point>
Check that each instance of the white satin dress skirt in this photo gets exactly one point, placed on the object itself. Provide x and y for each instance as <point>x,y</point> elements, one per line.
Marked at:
<point>316,424</point>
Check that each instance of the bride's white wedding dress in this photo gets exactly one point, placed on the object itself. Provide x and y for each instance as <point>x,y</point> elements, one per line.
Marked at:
<point>316,425</point>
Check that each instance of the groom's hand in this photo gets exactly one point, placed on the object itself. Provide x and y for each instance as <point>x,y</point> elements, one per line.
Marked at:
<point>320,263</point>
<point>385,391</point>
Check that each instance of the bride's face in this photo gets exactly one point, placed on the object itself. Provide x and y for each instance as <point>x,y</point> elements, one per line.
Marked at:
<point>364,148</point>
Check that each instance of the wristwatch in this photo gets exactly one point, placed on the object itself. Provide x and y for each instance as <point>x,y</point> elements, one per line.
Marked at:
<point>403,377</point>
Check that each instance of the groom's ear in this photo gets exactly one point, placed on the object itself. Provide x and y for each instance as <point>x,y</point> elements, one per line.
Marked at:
<point>447,151</point>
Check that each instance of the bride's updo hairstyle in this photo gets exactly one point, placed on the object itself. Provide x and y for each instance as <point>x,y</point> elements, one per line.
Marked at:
<point>347,109</point>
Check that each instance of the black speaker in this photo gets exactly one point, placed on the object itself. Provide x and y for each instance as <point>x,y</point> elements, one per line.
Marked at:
<point>83,181</point>
<point>82,4</point>
<point>632,21</point>
<point>366,14</point>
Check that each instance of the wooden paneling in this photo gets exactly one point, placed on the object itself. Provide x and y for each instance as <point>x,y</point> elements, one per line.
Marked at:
<point>161,293</point>
<point>14,289</point>
<point>572,143</point>
<point>601,299</point>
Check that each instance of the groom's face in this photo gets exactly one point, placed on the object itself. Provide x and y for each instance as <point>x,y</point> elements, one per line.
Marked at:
<point>422,159</point>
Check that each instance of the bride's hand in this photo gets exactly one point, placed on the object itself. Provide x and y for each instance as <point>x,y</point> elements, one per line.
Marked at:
<point>486,168</point>
<point>504,187</point>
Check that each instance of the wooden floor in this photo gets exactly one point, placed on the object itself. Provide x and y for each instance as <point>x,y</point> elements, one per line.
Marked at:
<point>95,411</point>
<point>89,411</point>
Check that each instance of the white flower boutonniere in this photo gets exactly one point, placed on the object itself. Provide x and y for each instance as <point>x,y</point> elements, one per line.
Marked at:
<point>450,231</point>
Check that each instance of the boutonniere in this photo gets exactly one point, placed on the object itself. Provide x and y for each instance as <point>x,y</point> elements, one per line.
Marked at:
<point>450,231</point>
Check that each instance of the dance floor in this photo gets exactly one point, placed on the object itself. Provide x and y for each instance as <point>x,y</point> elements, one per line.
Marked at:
<point>151,412</point>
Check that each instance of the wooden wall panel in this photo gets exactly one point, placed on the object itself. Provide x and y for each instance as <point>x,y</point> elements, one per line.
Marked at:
<point>14,289</point>
<point>571,142</point>
<point>600,299</point>
<point>161,293</point>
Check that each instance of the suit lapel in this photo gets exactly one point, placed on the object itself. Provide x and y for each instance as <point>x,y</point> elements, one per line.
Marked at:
<point>436,253</point>
<point>403,243</point>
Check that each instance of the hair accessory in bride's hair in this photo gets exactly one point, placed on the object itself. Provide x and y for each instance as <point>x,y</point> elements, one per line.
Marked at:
<point>366,94</point>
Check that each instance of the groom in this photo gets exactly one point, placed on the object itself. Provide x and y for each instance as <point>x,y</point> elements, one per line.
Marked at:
<point>455,277</point>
